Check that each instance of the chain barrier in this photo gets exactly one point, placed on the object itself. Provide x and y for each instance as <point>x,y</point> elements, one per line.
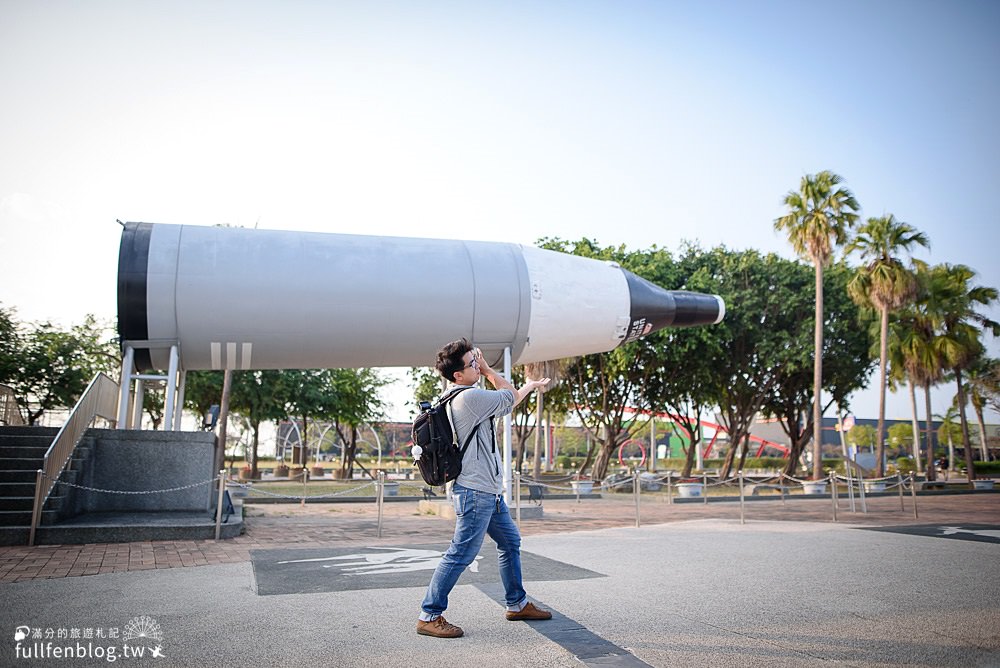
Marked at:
<point>300,497</point>
<point>128,492</point>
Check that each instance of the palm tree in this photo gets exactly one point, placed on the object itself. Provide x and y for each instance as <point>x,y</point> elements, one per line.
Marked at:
<point>961,327</point>
<point>982,384</point>
<point>887,285</point>
<point>820,216</point>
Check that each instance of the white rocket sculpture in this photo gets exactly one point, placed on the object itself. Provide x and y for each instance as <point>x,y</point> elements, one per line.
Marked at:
<point>261,299</point>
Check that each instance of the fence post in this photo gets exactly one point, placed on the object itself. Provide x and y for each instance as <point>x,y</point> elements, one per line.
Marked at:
<point>850,485</point>
<point>36,510</point>
<point>781,486</point>
<point>379,500</point>
<point>218,505</point>
<point>861,494</point>
<point>913,493</point>
<point>899,479</point>
<point>742,500</point>
<point>517,497</point>
<point>833,493</point>
<point>704,486</point>
<point>636,492</point>
<point>670,487</point>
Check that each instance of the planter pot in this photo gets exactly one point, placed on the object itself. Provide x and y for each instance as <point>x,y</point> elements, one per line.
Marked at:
<point>244,474</point>
<point>281,472</point>
<point>582,486</point>
<point>296,474</point>
<point>317,472</point>
<point>391,489</point>
<point>874,486</point>
<point>690,489</point>
<point>814,487</point>
<point>982,484</point>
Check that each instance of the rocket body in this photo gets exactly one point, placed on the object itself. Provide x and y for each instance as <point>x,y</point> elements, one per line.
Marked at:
<point>234,298</point>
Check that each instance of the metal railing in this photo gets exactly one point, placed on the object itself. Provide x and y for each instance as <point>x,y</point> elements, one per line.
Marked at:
<point>100,399</point>
<point>10,412</point>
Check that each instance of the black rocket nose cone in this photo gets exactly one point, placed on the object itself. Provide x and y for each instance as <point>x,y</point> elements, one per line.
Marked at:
<point>653,308</point>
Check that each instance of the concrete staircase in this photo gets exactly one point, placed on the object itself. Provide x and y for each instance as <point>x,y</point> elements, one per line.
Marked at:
<point>22,451</point>
<point>74,516</point>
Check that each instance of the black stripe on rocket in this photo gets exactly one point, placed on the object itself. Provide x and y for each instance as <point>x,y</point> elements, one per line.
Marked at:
<point>133,267</point>
<point>652,308</point>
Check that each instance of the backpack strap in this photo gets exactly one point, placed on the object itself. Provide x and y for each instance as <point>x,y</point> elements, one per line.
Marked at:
<point>451,420</point>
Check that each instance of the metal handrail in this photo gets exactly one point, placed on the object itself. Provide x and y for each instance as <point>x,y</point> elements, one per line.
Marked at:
<point>10,412</point>
<point>100,399</point>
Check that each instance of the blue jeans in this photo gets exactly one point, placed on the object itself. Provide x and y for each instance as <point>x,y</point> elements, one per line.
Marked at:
<point>477,514</point>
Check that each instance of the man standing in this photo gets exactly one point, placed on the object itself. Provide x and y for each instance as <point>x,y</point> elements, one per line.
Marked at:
<point>478,491</point>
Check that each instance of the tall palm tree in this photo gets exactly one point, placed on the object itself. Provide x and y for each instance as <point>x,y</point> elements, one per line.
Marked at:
<point>961,327</point>
<point>885,284</point>
<point>819,219</point>
<point>982,383</point>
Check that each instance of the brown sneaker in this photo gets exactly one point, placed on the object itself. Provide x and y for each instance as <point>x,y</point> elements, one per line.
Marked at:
<point>528,613</point>
<point>439,628</point>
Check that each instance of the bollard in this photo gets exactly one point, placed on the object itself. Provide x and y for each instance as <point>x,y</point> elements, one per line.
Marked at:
<point>861,494</point>
<point>670,488</point>
<point>305,477</point>
<point>636,492</point>
<point>781,485</point>
<point>913,493</point>
<point>517,498</point>
<point>850,486</point>
<point>218,507</point>
<point>742,500</point>
<point>833,494</point>
<point>379,500</point>
<point>899,479</point>
<point>704,486</point>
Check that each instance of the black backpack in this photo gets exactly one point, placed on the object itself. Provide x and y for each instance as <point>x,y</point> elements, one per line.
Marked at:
<point>439,457</point>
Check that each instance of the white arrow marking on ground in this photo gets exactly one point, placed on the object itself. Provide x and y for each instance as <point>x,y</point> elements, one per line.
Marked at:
<point>395,560</point>
<point>986,533</point>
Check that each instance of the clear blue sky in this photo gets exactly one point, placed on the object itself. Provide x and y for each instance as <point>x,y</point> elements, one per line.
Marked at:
<point>628,122</point>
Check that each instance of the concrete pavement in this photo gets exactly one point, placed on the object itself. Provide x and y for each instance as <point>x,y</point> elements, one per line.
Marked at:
<point>313,586</point>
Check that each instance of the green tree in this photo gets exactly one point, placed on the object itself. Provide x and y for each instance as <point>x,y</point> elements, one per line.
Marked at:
<point>259,396</point>
<point>885,284</point>
<point>983,375</point>
<point>846,363</point>
<point>862,436</point>
<point>962,326</point>
<point>10,345</point>
<point>356,397</point>
<point>819,219</point>
<point>54,366</point>
<point>900,438</point>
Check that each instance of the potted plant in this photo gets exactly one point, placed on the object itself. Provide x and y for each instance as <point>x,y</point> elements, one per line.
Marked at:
<point>281,471</point>
<point>317,471</point>
<point>814,487</point>
<point>582,484</point>
<point>690,488</point>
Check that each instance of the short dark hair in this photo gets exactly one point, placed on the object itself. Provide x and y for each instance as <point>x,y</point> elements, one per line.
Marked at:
<point>451,358</point>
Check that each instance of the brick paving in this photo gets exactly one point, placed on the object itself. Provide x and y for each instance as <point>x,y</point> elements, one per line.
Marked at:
<point>270,526</point>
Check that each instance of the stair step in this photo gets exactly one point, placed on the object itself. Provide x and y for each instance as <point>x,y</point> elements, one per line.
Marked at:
<point>20,464</point>
<point>17,502</point>
<point>14,450</point>
<point>17,476</point>
<point>15,518</point>
<point>8,489</point>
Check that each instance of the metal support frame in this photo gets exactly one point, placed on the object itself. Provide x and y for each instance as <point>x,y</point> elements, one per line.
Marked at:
<point>133,386</point>
<point>507,432</point>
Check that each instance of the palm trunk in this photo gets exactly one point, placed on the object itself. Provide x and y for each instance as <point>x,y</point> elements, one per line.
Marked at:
<point>983,452</point>
<point>969,463</point>
<point>880,430</point>
<point>929,426</point>
<point>818,379</point>
<point>917,462</point>
<point>536,464</point>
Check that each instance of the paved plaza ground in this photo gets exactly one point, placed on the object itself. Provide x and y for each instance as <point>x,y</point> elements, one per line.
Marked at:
<point>313,585</point>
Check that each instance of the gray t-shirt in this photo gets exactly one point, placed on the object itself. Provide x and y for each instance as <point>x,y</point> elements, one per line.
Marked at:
<point>482,464</point>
